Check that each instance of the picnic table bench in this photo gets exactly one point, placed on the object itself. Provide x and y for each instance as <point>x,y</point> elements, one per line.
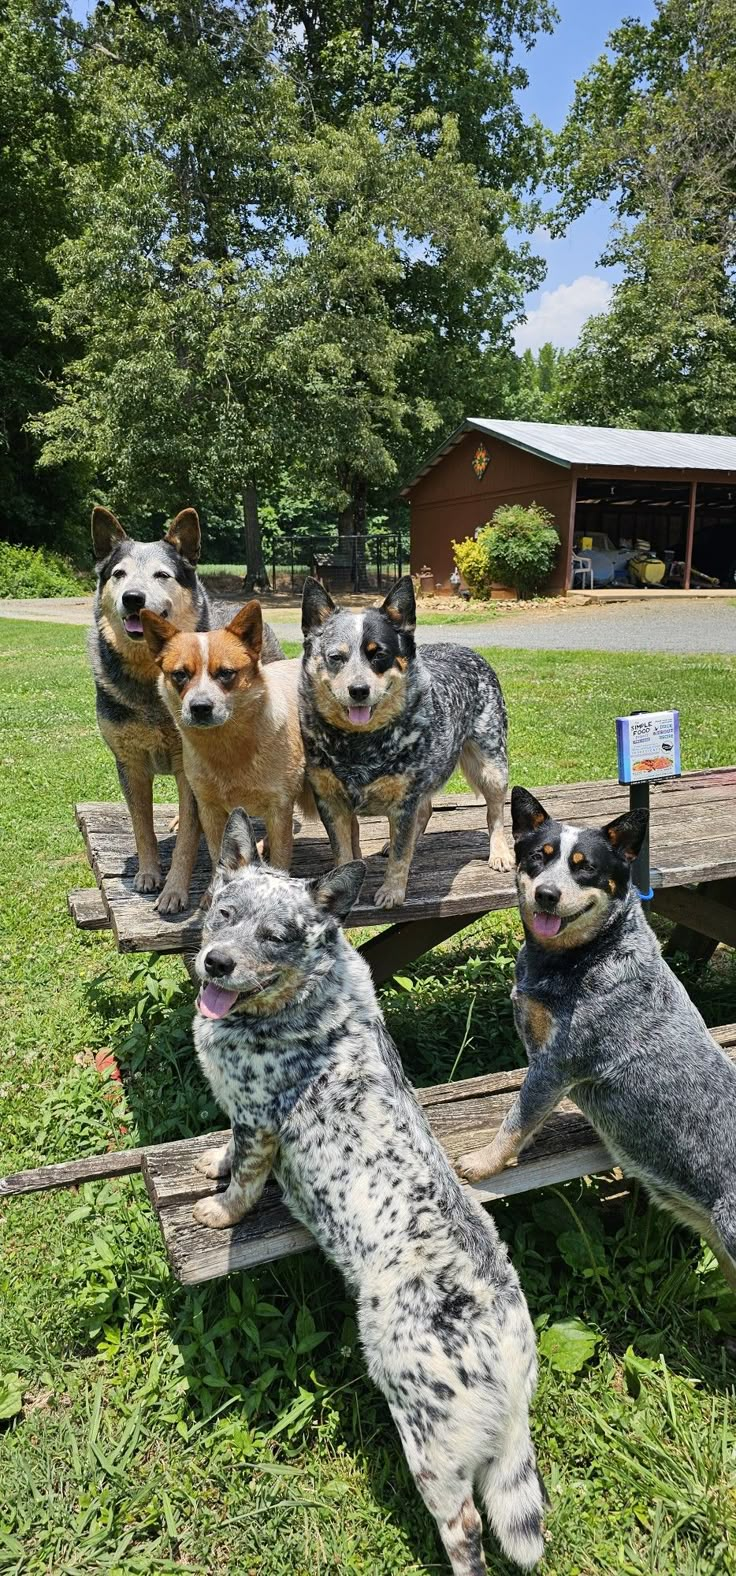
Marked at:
<point>693,856</point>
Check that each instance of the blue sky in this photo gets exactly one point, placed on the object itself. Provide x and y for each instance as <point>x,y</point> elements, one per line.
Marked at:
<point>575,285</point>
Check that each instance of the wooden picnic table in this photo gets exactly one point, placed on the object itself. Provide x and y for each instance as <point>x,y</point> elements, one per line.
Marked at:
<point>693,856</point>
<point>693,859</point>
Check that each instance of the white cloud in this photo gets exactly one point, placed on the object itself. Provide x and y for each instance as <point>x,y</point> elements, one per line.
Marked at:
<point>562,312</point>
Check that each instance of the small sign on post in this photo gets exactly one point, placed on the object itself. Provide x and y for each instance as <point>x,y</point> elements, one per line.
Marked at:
<point>648,744</point>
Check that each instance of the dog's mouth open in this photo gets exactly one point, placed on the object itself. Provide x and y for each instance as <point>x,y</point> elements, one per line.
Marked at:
<point>214,1002</point>
<point>359,715</point>
<point>133,626</point>
<point>548,925</point>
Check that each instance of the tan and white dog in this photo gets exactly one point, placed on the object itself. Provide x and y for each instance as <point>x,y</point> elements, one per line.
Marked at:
<point>239,725</point>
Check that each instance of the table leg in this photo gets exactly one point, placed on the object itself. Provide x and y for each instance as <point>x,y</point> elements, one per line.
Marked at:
<point>392,949</point>
<point>705,915</point>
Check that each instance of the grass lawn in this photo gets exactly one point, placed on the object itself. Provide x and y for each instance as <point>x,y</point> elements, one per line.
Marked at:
<point>147,1428</point>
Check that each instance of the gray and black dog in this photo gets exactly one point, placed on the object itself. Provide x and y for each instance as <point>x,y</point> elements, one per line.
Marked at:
<point>384,726</point>
<point>290,1036</point>
<point>605,1021</point>
<point>132,717</point>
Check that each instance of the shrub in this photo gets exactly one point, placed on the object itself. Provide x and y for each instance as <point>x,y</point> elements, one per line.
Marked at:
<point>516,548</point>
<point>34,571</point>
<point>471,558</point>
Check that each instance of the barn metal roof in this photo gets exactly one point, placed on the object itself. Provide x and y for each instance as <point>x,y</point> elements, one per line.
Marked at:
<point>567,445</point>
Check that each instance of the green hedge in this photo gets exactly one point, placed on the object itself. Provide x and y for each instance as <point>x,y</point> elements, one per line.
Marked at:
<point>34,571</point>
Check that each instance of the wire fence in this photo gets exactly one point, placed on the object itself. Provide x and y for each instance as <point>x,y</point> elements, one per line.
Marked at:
<point>342,563</point>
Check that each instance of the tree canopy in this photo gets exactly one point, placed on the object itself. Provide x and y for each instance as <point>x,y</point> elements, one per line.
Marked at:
<point>653,130</point>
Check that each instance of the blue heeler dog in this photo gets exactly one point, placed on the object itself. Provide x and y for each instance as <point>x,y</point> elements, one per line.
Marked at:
<point>384,726</point>
<point>605,1021</point>
<point>132,717</point>
<point>290,1035</point>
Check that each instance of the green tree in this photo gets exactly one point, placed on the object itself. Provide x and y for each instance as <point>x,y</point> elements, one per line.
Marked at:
<point>420,158</point>
<point>36,141</point>
<point>537,384</point>
<point>165,287</point>
<point>653,129</point>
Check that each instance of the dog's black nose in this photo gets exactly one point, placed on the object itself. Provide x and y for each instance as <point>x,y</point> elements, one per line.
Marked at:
<point>133,601</point>
<point>201,710</point>
<point>547,897</point>
<point>218,962</point>
<point>358,692</point>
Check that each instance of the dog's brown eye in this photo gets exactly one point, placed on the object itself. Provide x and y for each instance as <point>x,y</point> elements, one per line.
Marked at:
<point>336,658</point>
<point>179,677</point>
<point>225,675</point>
<point>162,574</point>
<point>118,574</point>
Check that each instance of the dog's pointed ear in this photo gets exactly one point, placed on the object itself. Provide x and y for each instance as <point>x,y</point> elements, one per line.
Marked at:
<point>401,604</point>
<point>626,834</point>
<point>247,625</point>
<point>317,604</point>
<point>158,631</point>
<point>527,814</point>
<point>338,890</point>
<point>184,534</point>
<point>238,849</point>
<point>106,532</point>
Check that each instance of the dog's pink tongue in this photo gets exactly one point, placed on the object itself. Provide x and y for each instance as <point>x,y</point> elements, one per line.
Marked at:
<point>133,624</point>
<point>359,713</point>
<point>215,1003</point>
<point>546,924</point>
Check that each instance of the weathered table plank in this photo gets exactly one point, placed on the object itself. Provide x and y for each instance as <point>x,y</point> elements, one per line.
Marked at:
<point>87,908</point>
<point>462,1116</point>
<point>693,839</point>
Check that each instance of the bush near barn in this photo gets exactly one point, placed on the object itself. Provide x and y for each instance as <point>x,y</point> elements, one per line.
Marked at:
<point>516,548</point>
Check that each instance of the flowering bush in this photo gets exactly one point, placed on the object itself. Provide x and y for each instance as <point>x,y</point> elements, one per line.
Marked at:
<point>516,548</point>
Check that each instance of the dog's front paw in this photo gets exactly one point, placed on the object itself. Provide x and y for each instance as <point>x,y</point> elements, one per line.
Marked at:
<point>390,893</point>
<point>500,857</point>
<point>214,1163</point>
<point>477,1165</point>
<point>149,880</point>
<point>173,899</point>
<point>217,1211</point>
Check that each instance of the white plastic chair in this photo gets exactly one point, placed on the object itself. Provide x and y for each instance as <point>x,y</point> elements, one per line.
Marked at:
<point>584,567</point>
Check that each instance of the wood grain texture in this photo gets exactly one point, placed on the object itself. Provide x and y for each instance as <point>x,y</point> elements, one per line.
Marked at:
<point>87,908</point>
<point>71,1173</point>
<point>462,1117</point>
<point>693,840</point>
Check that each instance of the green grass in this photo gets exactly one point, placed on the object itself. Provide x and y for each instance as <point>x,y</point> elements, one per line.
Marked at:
<point>146,1428</point>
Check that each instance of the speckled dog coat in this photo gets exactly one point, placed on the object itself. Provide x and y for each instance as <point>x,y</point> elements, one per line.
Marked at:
<point>606,1022</point>
<point>385,725</point>
<point>291,1038</point>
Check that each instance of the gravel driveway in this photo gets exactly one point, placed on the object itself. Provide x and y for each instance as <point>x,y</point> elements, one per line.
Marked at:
<point>620,626</point>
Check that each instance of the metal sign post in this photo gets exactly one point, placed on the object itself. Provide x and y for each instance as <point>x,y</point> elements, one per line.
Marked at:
<point>648,746</point>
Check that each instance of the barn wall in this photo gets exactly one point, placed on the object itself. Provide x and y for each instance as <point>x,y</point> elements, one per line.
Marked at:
<point>449,502</point>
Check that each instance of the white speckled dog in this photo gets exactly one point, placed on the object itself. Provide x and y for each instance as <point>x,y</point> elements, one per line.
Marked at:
<point>291,1037</point>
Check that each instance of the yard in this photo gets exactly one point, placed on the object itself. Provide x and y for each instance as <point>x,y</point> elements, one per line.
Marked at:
<point>145,1428</point>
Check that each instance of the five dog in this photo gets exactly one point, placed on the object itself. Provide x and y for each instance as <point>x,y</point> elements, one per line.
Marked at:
<point>288,1030</point>
<point>384,727</point>
<point>133,720</point>
<point>604,1020</point>
<point>290,1035</point>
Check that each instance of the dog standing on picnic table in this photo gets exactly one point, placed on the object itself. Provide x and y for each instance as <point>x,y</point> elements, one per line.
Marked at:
<point>133,720</point>
<point>605,1021</point>
<point>290,1035</point>
<point>385,725</point>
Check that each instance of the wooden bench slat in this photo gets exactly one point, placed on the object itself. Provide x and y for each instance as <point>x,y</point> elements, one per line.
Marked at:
<point>87,908</point>
<point>462,1117</point>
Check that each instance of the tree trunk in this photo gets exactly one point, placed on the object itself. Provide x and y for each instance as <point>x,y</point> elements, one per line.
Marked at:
<point>256,578</point>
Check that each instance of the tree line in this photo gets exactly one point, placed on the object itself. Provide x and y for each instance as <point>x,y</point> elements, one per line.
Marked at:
<point>263,257</point>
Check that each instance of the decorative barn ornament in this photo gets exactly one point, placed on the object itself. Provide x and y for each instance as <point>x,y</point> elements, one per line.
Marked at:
<point>481,461</point>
